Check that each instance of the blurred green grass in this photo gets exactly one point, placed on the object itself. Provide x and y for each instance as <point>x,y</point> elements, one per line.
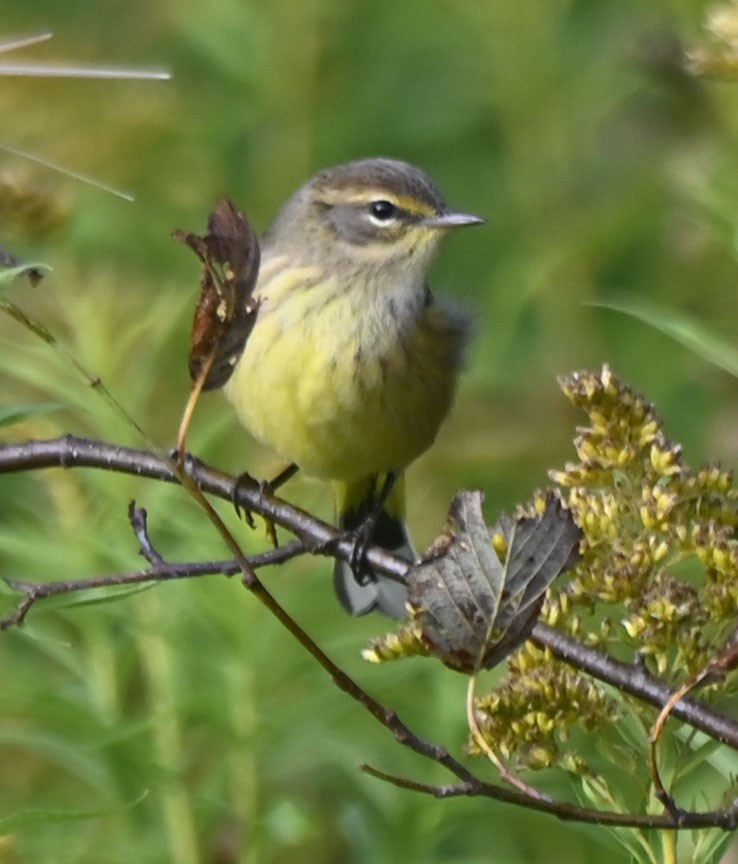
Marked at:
<point>181,724</point>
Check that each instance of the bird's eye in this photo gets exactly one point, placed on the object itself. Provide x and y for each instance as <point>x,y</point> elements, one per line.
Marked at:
<point>383,211</point>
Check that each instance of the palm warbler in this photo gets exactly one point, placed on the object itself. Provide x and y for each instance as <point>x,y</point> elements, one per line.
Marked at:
<point>352,364</point>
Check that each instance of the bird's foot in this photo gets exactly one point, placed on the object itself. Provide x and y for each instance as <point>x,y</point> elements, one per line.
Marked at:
<point>243,481</point>
<point>266,487</point>
<point>360,538</point>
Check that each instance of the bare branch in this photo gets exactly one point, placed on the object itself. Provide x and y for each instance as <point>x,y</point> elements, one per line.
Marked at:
<point>725,819</point>
<point>34,591</point>
<point>633,679</point>
<point>315,537</point>
<point>69,451</point>
<point>138,517</point>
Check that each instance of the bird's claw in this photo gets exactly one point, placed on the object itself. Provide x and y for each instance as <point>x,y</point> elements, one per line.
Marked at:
<point>244,479</point>
<point>361,539</point>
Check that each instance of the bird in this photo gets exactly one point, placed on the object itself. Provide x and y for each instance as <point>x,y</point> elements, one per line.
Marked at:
<point>352,363</point>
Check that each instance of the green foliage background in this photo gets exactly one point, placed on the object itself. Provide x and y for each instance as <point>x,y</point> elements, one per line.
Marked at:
<point>182,724</point>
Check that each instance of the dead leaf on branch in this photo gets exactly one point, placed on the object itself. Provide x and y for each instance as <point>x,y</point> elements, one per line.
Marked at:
<point>471,608</point>
<point>226,310</point>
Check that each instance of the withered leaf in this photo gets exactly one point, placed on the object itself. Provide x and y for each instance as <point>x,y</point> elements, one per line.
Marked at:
<point>226,310</point>
<point>474,609</point>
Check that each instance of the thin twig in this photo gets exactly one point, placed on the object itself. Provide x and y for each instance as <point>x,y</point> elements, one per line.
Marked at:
<point>727,820</point>
<point>138,518</point>
<point>724,662</point>
<point>70,451</point>
<point>505,773</point>
<point>34,591</point>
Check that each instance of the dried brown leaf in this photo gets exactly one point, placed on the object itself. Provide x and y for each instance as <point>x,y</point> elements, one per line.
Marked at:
<point>226,311</point>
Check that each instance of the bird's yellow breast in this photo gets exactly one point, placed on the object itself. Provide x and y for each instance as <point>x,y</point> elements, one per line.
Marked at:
<point>343,381</point>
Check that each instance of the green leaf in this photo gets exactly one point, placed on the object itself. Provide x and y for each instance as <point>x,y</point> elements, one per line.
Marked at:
<point>11,414</point>
<point>26,818</point>
<point>681,327</point>
<point>33,271</point>
<point>115,594</point>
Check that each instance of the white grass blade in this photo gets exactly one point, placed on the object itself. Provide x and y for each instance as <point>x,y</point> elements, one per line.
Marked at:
<point>34,70</point>
<point>82,178</point>
<point>24,42</point>
<point>65,70</point>
<point>70,70</point>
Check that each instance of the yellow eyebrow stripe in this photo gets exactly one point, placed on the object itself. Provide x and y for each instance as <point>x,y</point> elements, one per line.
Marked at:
<point>363,195</point>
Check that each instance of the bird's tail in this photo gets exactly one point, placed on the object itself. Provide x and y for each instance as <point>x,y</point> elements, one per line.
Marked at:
<point>355,502</point>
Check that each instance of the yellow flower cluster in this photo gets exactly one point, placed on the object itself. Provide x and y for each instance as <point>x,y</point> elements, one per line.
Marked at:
<point>406,641</point>
<point>657,580</point>
<point>537,706</point>
<point>659,538</point>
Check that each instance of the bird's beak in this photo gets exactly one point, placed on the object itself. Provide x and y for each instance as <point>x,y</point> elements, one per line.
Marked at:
<point>452,220</point>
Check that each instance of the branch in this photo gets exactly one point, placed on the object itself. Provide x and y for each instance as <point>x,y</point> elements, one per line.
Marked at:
<point>69,451</point>
<point>633,679</point>
<point>727,819</point>
<point>315,536</point>
<point>162,572</point>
